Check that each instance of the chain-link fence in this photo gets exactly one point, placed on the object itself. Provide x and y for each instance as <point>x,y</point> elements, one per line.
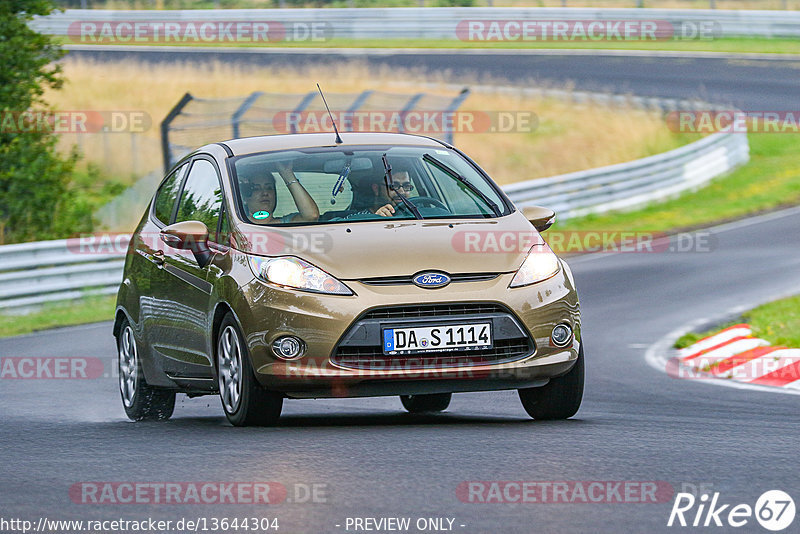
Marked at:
<point>194,122</point>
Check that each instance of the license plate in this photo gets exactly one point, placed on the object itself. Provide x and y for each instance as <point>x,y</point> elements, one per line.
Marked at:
<point>437,338</point>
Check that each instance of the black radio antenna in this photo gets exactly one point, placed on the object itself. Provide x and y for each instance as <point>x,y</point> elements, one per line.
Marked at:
<point>335,129</point>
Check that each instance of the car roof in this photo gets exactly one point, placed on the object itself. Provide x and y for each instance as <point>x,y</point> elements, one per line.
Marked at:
<point>249,145</point>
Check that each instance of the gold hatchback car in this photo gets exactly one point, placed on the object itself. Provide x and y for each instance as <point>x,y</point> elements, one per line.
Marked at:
<point>312,266</point>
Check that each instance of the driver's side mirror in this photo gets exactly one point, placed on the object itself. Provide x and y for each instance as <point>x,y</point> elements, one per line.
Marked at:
<point>189,235</point>
<point>541,218</point>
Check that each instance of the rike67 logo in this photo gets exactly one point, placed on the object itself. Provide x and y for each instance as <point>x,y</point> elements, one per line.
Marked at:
<point>774,510</point>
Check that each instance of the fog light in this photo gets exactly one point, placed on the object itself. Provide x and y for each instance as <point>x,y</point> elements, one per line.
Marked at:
<point>562,334</point>
<point>287,347</point>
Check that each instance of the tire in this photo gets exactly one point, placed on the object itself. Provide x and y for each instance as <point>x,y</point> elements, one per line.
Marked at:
<point>243,399</point>
<point>140,401</point>
<point>560,398</point>
<point>434,402</point>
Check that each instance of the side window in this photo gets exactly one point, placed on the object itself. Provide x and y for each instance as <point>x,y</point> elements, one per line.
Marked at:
<point>201,197</point>
<point>168,194</point>
<point>224,235</point>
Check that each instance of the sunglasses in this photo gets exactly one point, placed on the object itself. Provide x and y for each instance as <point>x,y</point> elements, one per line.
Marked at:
<point>407,186</point>
<point>250,189</point>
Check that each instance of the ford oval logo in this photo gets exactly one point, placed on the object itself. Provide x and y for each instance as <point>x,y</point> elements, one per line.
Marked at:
<point>431,280</point>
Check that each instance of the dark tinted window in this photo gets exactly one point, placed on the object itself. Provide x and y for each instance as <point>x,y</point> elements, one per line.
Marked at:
<point>202,196</point>
<point>168,194</point>
<point>223,237</point>
<point>346,185</point>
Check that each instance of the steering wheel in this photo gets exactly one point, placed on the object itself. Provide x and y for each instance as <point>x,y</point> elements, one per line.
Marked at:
<point>428,201</point>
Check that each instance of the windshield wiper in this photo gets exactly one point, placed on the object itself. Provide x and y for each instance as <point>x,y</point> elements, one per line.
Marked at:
<point>452,172</point>
<point>390,182</point>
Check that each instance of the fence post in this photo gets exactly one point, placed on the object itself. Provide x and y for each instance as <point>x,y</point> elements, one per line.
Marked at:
<point>408,107</point>
<point>134,152</point>
<point>303,105</point>
<point>454,105</point>
<point>236,118</point>
<point>357,103</point>
<point>174,112</point>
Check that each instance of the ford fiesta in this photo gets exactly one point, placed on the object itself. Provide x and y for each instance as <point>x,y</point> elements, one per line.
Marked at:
<point>312,266</point>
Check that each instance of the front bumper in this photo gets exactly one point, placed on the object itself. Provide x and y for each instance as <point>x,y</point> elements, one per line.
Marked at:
<point>323,322</point>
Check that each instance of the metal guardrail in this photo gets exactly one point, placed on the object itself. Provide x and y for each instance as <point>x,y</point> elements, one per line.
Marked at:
<point>439,23</point>
<point>635,183</point>
<point>46,271</point>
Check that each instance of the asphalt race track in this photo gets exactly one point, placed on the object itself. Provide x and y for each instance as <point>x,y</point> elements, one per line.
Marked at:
<point>750,84</point>
<point>374,460</point>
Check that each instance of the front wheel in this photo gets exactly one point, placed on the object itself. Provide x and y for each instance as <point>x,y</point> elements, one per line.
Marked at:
<point>245,402</point>
<point>434,402</point>
<point>560,398</point>
<point>140,400</point>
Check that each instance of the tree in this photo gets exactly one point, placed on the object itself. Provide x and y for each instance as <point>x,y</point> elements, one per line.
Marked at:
<point>36,198</point>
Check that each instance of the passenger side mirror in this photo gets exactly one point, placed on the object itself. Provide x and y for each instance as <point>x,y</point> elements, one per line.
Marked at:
<point>540,217</point>
<point>189,235</point>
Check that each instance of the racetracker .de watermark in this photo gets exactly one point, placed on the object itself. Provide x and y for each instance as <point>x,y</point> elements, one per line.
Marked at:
<point>581,242</point>
<point>74,121</point>
<point>429,122</point>
<point>268,243</point>
<point>51,367</point>
<point>733,121</point>
<point>746,367</point>
<point>564,492</point>
<point>200,31</point>
<point>584,30</point>
<point>201,492</point>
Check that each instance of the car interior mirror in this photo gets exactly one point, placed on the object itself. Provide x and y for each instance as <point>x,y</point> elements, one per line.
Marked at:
<point>540,217</point>
<point>189,235</point>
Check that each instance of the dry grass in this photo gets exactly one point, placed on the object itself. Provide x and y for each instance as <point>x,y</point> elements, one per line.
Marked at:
<point>568,137</point>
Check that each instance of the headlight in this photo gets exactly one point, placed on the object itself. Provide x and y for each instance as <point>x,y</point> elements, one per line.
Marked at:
<point>293,272</point>
<point>540,264</point>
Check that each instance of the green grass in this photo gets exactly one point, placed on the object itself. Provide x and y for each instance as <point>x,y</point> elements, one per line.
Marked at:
<point>87,310</point>
<point>778,322</point>
<point>730,45</point>
<point>770,180</point>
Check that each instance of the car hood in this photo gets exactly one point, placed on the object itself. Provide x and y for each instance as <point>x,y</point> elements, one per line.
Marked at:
<point>399,248</point>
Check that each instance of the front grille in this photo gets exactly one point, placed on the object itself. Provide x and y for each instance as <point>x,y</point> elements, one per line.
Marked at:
<point>366,351</point>
<point>434,310</point>
<point>405,280</point>
<point>373,358</point>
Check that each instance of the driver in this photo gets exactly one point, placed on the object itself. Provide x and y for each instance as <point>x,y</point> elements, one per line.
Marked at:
<point>385,199</point>
<point>260,198</point>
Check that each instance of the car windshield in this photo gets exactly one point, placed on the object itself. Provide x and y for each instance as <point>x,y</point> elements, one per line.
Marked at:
<point>343,184</point>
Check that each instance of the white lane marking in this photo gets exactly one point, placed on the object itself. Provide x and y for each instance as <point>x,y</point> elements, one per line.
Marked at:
<point>707,343</point>
<point>793,386</point>
<point>440,51</point>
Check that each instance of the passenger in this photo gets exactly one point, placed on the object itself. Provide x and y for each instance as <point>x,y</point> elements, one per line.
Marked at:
<point>260,198</point>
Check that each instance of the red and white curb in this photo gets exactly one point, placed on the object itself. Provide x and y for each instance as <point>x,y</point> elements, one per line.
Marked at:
<point>734,354</point>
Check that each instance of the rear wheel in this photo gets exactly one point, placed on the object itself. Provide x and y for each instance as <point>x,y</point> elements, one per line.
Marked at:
<point>245,402</point>
<point>140,400</point>
<point>435,402</point>
<point>560,398</point>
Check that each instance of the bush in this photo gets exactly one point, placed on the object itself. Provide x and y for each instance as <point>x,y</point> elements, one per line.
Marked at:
<point>37,199</point>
